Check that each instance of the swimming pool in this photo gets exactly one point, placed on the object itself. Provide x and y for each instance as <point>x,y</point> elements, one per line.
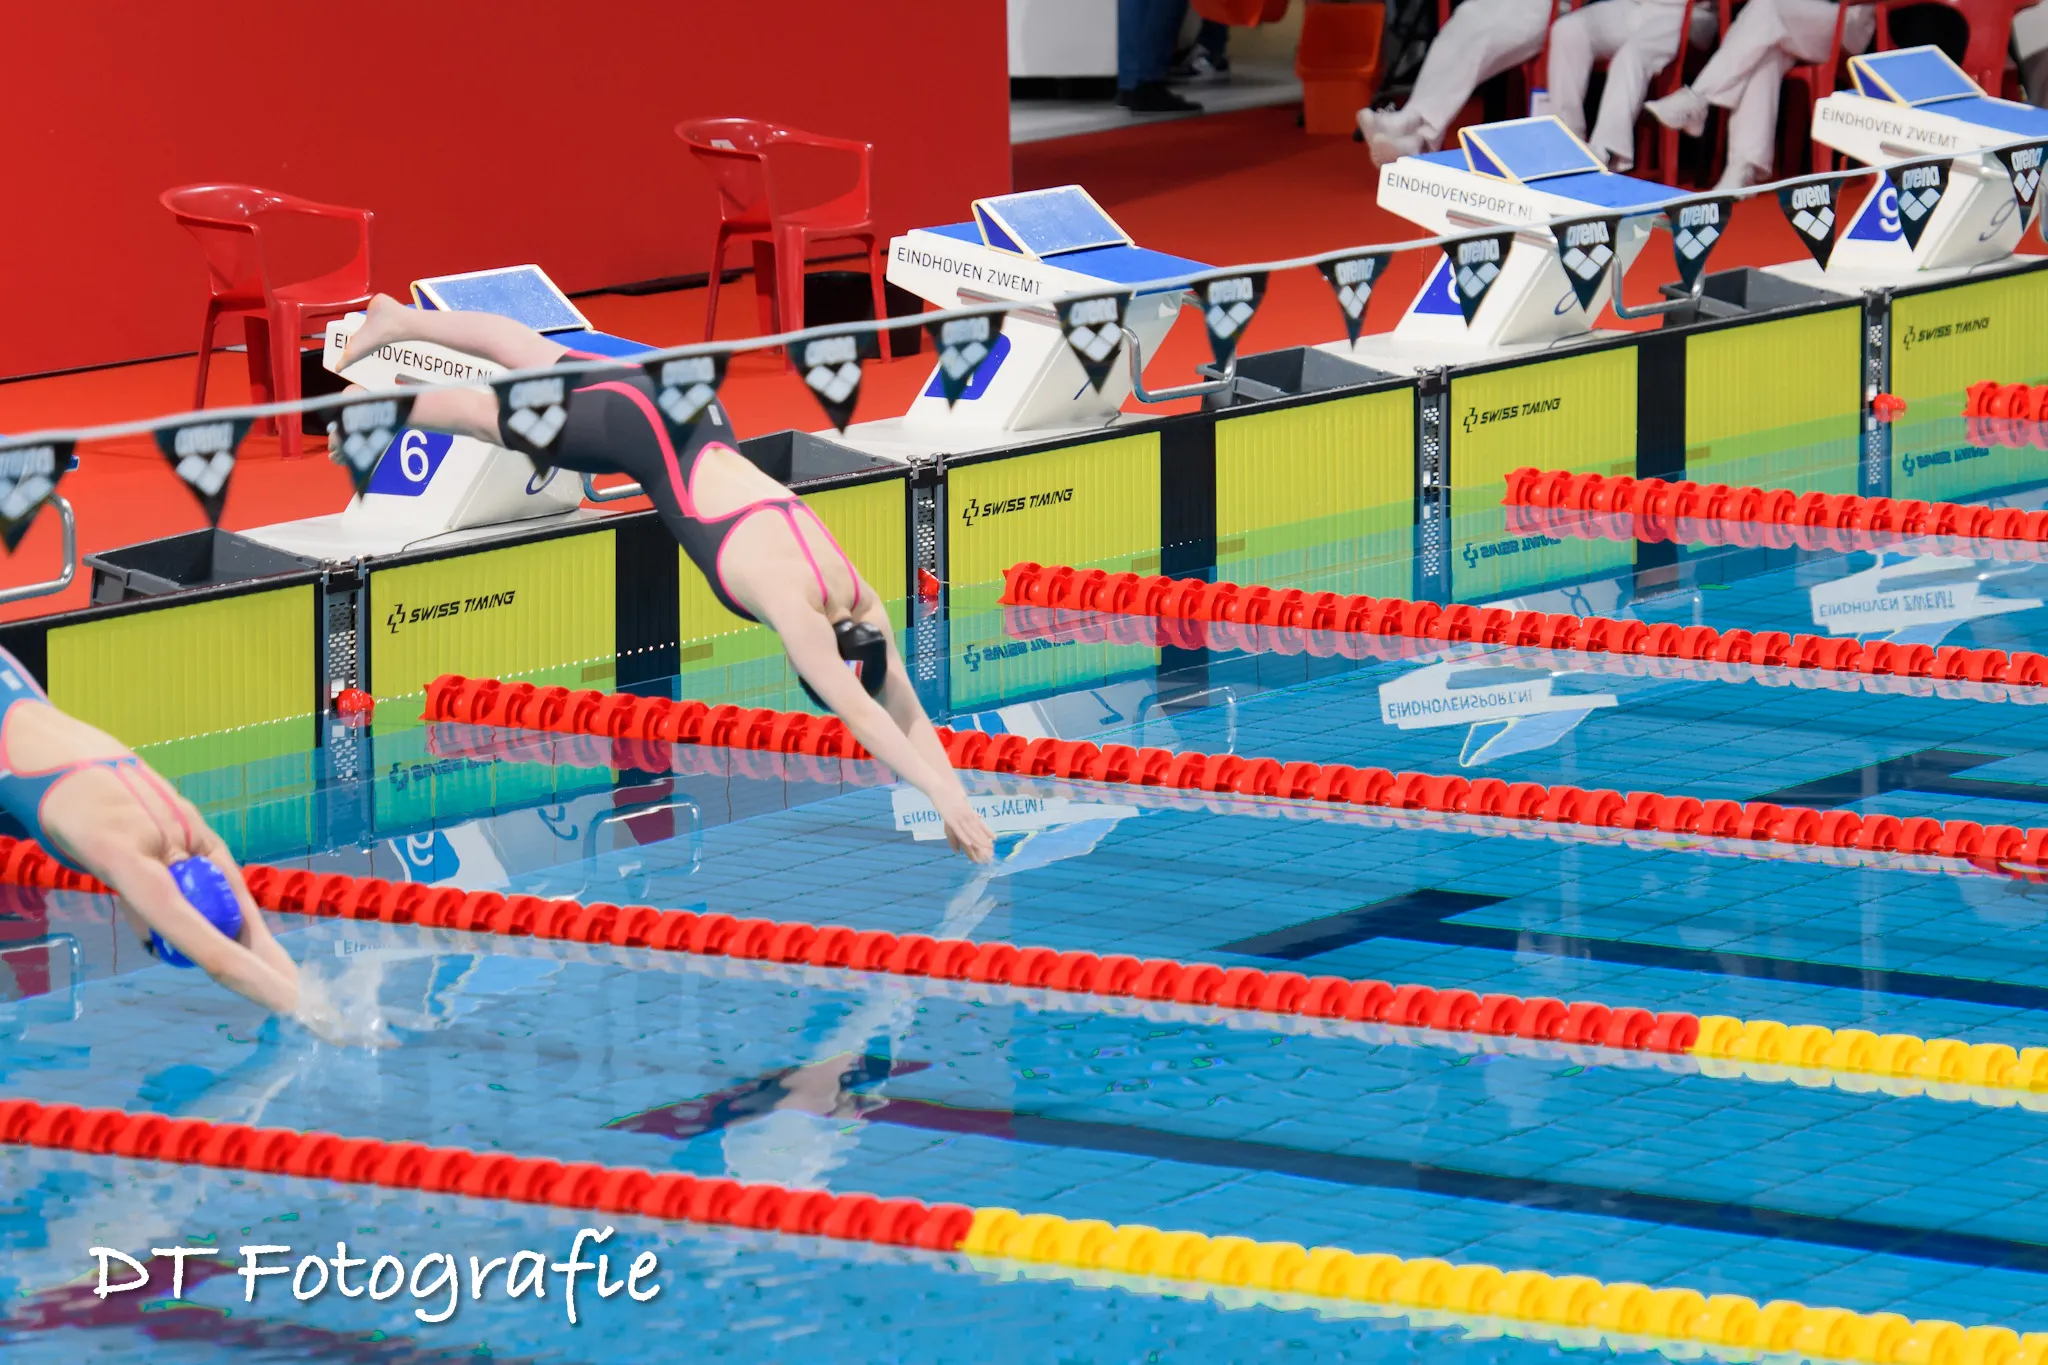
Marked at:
<point>1569,1159</point>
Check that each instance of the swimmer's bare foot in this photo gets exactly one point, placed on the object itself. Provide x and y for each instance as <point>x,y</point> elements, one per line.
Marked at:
<point>384,324</point>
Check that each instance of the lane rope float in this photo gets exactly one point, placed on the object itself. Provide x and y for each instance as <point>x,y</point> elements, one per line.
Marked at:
<point>1675,1317</point>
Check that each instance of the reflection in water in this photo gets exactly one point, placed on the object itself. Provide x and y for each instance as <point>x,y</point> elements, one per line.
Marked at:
<point>1919,599</point>
<point>1510,710</point>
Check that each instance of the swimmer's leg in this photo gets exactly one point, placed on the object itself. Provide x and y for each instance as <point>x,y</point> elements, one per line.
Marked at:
<point>459,412</point>
<point>486,336</point>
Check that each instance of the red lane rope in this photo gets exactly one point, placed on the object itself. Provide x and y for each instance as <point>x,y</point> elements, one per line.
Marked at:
<point>1056,623</point>
<point>1565,490</point>
<point>1525,519</point>
<point>625,716</point>
<point>338,895</point>
<point>584,1185</point>
<point>483,742</point>
<point>1194,599</point>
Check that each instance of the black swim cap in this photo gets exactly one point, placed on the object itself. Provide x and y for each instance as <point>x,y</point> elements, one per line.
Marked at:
<point>866,651</point>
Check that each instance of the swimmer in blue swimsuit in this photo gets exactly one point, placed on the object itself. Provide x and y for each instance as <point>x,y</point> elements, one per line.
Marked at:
<point>102,811</point>
<point>764,553</point>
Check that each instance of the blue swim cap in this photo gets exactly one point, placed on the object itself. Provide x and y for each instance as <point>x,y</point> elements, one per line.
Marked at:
<point>206,888</point>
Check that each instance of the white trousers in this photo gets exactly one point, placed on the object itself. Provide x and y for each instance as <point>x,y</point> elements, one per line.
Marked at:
<point>1767,39</point>
<point>1483,39</point>
<point>1637,39</point>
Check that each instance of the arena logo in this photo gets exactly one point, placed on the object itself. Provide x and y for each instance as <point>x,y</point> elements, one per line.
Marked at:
<point>441,611</point>
<point>1478,417</point>
<point>1911,336</point>
<point>976,510</point>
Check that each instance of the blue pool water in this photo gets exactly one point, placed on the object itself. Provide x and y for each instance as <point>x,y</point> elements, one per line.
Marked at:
<point>1571,1160</point>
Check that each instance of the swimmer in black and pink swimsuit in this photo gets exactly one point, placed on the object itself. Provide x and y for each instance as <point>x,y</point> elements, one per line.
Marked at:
<point>838,637</point>
<point>614,428</point>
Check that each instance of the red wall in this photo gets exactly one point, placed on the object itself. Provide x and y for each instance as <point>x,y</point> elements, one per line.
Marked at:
<point>479,133</point>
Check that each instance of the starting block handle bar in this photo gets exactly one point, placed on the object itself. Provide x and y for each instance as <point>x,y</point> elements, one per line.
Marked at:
<point>1134,355</point>
<point>1689,299</point>
<point>62,580</point>
<point>619,494</point>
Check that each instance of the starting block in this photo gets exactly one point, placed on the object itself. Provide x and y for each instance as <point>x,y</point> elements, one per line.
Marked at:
<point>1915,102</point>
<point>1024,247</point>
<point>1514,174</point>
<point>429,484</point>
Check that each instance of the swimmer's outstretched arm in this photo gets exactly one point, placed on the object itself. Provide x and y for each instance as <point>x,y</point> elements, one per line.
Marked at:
<point>487,336</point>
<point>912,749</point>
<point>127,831</point>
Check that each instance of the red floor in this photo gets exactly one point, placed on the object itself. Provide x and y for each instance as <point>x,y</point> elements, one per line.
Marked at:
<point>1233,188</point>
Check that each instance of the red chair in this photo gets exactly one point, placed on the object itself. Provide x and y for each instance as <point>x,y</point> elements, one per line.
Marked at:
<point>789,190</point>
<point>242,231</point>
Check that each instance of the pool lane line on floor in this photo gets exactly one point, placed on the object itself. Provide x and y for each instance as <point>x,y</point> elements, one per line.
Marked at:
<point>659,758</point>
<point>1668,1317</point>
<point>1224,604</point>
<point>1095,627</point>
<point>1659,502</point>
<point>623,715</point>
<point>1807,1053</point>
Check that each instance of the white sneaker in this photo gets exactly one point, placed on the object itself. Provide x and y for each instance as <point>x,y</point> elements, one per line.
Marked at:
<point>1393,146</point>
<point>1738,177</point>
<point>1681,109</point>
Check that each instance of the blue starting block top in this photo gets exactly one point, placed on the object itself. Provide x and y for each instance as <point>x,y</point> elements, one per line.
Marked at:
<point>1046,223</point>
<point>523,293</point>
<point>1112,264</point>
<point>1543,153</point>
<point>1924,78</point>
<point>1526,150</point>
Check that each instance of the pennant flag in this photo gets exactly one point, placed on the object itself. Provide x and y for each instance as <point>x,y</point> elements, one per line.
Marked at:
<point>1227,308</point>
<point>1476,262</point>
<point>1810,209</point>
<point>685,389</point>
<point>1095,333</point>
<point>361,432</point>
<point>28,479</point>
<point>1919,187</point>
<point>831,367</point>
<point>535,410</point>
<point>1695,227</point>
<point>2023,164</point>
<point>1586,251</point>
<point>963,344</point>
<point>1352,279</point>
<point>202,455</point>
